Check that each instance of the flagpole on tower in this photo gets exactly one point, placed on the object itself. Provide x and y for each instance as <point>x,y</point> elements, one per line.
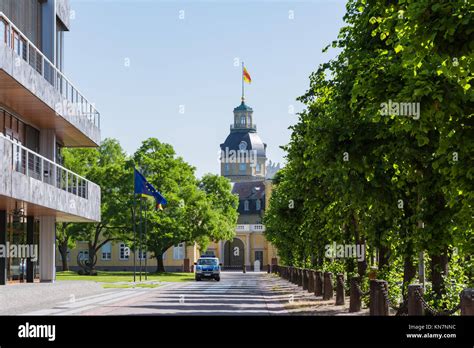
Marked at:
<point>243,95</point>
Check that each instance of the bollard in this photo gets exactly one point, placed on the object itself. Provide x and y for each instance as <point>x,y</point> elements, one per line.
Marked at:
<point>380,305</point>
<point>340,298</point>
<point>374,293</point>
<point>328,292</point>
<point>415,306</point>
<point>355,301</point>
<point>310,281</point>
<point>243,269</point>
<point>304,277</point>
<point>268,269</point>
<point>467,302</point>
<point>318,283</point>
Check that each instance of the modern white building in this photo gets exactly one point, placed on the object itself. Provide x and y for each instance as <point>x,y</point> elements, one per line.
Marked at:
<point>41,111</point>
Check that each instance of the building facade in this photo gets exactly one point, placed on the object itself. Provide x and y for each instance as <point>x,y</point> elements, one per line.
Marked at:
<point>41,112</point>
<point>244,162</point>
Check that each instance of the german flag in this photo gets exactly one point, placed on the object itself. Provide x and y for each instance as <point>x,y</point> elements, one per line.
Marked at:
<point>247,77</point>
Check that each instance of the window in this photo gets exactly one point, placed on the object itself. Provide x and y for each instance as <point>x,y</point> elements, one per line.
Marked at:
<point>242,120</point>
<point>59,46</point>
<point>141,255</point>
<point>178,252</point>
<point>246,205</point>
<point>257,167</point>
<point>124,251</point>
<point>107,251</point>
<point>84,255</point>
<point>242,168</point>
<point>258,204</point>
<point>3,31</point>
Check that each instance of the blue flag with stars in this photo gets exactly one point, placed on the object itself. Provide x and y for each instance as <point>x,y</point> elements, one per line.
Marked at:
<point>142,186</point>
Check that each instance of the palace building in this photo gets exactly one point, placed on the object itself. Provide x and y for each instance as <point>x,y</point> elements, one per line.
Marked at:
<point>244,162</point>
<point>41,111</point>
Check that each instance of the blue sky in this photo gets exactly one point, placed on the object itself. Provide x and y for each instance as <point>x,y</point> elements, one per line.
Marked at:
<point>178,65</point>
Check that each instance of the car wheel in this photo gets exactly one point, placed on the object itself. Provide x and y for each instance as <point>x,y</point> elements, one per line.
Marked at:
<point>217,279</point>
<point>198,279</point>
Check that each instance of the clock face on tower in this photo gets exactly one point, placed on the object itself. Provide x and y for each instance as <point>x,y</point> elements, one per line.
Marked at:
<point>243,146</point>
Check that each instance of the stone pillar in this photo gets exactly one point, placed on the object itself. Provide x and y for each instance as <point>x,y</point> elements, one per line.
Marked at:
<point>318,283</point>
<point>378,304</point>
<point>467,302</point>
<point>247,250</point>
<point>219,252</point>
<point>47,246</point>
<point>304,276</point>
<point>222,256</point>
<point>374,294</point>
<point>340,298</point>
<point>383,305</point>
<point>30,229</point>
<point>328,292</point>
<point>355,298</point>
<point>415,306</point>
<point>3,241</point>
<point>310,281</point>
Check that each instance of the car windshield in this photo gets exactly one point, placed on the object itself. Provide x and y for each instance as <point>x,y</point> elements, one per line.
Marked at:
<point>207,262</point>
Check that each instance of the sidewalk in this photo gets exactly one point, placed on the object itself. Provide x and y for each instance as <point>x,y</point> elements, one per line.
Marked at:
<point>21,298</point>
<point>300,302</point>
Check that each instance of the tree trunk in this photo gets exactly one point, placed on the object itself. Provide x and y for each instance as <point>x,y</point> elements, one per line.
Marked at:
<point>439,268</point>
<point>160,267</point>
<point>384,255</point>
<point>361,265</point>
<point>63,251</point>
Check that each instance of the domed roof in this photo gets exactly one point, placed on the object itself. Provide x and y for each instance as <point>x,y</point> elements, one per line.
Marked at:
<point>243,107</point>
<point>251,139</point>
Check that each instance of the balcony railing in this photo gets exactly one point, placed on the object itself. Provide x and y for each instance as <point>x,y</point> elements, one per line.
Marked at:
<point>40,168</point>
<point>250,228</point>
<point>26,50</point>
<point>243,126</point>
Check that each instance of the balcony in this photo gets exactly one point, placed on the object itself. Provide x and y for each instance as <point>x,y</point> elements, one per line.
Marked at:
<point>250,228</point>
<point>243,126</point>
<point>32,86</point>
<point>45,187</point>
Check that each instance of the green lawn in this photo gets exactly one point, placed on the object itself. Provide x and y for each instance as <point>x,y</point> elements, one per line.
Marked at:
<point>113,277</point>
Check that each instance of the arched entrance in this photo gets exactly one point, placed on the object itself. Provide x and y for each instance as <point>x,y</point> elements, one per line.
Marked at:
<point>234,254</point>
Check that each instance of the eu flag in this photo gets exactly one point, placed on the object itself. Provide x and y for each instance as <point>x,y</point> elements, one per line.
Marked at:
<point>142,186</point>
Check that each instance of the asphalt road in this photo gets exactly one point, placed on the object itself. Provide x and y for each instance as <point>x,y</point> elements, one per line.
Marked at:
<point>236,294</point>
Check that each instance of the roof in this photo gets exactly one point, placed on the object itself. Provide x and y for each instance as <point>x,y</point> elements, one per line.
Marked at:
<point>243,107</point>
<point>252,139</point>
<point>249,189</point>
